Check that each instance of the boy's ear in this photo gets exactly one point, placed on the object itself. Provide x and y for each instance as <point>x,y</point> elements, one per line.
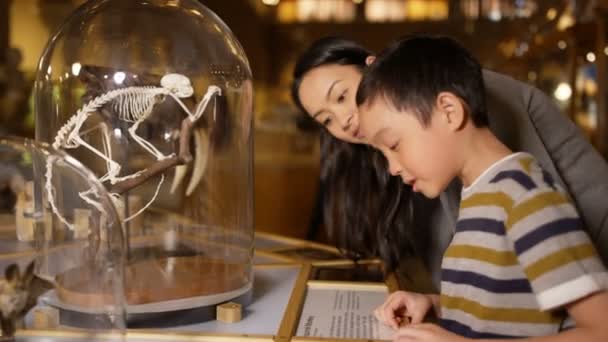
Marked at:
<point>451,110</point>
<point>369,60</point>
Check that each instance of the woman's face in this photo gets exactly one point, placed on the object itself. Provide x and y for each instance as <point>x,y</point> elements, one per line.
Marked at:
<point>328,93</point>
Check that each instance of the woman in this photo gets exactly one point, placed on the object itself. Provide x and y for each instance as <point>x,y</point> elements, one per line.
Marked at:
<point>361,201</point>
<point>326,78</point>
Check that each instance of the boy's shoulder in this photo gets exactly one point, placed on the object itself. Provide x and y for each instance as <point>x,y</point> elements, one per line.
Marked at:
<point>516,176</point>
<point>521,176</point>
<point>524,170</point>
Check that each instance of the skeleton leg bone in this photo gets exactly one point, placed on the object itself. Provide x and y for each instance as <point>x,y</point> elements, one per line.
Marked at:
<point>107,147</point>
<point>200,108</point>
<point>106,144</point>
<point>160,183</point>
<point>51,191</point>
<point>143,142</point>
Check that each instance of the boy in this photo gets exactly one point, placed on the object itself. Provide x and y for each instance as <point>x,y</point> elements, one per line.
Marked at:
<point>519,264</point>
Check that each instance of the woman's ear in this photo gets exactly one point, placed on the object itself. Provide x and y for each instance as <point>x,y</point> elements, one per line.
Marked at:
<point>370,59</point>
<point>451,109</point>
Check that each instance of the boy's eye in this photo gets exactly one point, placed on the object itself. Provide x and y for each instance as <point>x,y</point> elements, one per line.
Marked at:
<point>326,122</point>
<point>394,147</point>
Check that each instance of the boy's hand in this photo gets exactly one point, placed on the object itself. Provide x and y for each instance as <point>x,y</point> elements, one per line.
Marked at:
<point>401,307</point>
<point>426,332</point>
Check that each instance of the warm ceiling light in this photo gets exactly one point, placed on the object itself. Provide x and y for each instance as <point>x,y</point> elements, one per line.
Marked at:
<point>562,44</point>
<point>76,68</point>
<point>551,13</point>
<point>565,21</point>
<point>590,57</point>
<point>270,2</point>
<point>606,51</point>
<point>563,92</point>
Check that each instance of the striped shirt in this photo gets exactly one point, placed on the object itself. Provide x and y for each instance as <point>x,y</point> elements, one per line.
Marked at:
<point>518,256</point>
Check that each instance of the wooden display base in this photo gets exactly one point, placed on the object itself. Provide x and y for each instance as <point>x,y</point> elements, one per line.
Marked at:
<point>313,273</point>
<point>152,281</point>
<point>169,317</point>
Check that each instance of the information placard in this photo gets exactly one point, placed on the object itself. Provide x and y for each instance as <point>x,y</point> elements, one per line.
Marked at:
<point>343,312</point>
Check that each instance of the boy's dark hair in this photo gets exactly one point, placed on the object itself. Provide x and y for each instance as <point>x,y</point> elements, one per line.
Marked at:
<point>412,71</point>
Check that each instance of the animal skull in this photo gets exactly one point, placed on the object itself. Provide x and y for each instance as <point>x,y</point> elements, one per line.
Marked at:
<point>178,84</point>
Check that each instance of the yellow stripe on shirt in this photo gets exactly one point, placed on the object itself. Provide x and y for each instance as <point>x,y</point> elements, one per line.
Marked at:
<point>526,164</point>
<point>488,255</point>
<point>486,313</point>
<point>534,204</point>
<point>559,259</point>
<point>488,199</point>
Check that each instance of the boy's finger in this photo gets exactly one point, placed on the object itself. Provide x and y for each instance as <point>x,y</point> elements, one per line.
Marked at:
<point>405,334</point>
<point>393,308</point>
<point>378,315</point>
<point>384,316</point>
<point>416,317</point>
<point>394,323</point>
<point>389,318</point>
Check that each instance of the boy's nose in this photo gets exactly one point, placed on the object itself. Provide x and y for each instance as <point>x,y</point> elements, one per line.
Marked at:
<point>393,168</point>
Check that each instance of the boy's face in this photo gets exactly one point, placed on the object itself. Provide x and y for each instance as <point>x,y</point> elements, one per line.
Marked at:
<point>423,156</point>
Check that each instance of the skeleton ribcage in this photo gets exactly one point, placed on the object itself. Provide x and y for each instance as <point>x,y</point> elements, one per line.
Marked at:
<point>137,104</point>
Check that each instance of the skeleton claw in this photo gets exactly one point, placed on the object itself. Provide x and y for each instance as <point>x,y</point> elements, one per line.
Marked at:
<point>180,173</point>
<point>201,154</point>
<point>201,143</point>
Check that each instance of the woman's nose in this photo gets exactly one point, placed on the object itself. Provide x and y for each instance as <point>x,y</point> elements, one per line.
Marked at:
<point>347,122</point>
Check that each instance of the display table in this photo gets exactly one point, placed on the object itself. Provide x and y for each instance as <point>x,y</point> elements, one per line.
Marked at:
<point>303,291</point>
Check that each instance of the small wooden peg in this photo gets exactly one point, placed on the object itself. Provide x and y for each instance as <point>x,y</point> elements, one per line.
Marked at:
<point>46,317</point>
<point>229,312</point>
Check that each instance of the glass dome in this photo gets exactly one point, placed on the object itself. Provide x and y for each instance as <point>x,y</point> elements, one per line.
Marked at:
<point>155,97</point>
<point>58,221</point>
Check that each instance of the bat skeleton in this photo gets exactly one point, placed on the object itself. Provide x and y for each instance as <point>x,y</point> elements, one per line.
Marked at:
<point>133,105</point>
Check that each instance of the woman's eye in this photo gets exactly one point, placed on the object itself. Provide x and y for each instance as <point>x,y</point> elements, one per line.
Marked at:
<point>342,97</point>
<point>326,122</point>
<point>394,147</point>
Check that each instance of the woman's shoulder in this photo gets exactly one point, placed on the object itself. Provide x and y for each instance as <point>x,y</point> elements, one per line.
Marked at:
<point>504,88</point>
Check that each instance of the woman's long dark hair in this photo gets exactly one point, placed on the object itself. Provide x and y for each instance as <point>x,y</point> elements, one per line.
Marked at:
<point>367,212</point>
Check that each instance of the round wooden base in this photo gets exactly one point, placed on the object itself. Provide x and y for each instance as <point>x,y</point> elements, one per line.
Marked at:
<point>154,280</point>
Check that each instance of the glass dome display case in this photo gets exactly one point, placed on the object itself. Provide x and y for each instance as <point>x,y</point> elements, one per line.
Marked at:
<point>56,220</point>
<point>155,97</point>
